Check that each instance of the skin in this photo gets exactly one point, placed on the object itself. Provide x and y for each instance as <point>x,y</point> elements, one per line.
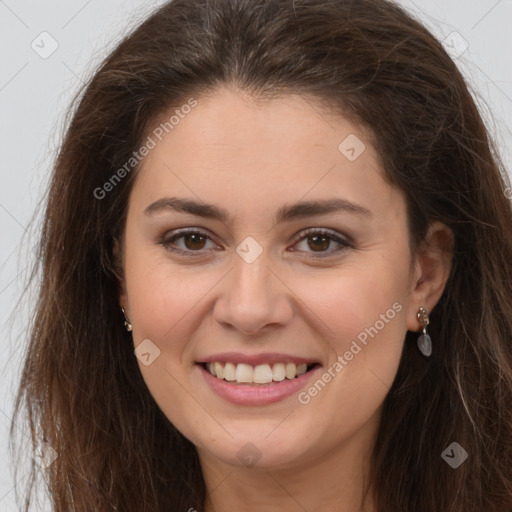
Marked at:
<point>251,158</point>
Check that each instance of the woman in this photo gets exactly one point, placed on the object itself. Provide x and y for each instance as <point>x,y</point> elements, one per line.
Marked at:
<point>276,272</point>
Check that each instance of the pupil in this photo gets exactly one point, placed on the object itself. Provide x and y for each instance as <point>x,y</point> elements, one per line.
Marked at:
<point>325,245</point>
<point>195,236</point>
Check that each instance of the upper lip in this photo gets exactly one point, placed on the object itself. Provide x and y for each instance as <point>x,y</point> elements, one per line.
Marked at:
<point>256,359</point>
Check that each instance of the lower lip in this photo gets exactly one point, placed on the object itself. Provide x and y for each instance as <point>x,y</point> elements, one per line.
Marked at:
<point>245,394</point>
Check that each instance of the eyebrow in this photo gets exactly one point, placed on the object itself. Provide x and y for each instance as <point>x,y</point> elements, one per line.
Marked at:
<point>286,213</point>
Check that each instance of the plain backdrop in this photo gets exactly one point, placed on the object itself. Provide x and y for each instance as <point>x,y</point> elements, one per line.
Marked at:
<point>49,48</point>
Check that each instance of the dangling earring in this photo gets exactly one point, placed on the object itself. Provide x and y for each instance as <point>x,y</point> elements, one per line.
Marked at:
<point>127,324</point>
<point>424,341</point>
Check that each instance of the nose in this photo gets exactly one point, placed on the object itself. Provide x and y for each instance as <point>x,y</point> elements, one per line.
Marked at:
<point>253,297</point>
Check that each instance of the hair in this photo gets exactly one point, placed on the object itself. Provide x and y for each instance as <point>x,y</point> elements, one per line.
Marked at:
<point>367,60</point>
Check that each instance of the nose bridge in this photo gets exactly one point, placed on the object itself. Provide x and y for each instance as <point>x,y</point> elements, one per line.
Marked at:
<point>252,296</point>
<point>252,277</point>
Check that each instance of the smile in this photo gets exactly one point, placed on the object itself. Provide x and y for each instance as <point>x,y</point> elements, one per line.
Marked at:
<point>256,380</point>
<point>242,373</point>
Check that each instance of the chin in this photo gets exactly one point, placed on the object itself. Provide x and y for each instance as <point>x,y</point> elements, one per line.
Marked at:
<point>258,452</point>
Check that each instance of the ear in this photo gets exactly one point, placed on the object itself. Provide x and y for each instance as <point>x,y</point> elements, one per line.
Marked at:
<point>117,253</point>
<point>431,271</point>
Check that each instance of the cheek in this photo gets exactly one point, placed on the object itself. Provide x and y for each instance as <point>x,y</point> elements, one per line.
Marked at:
<point>363,324</point>
<point>360,316</point>
<point>163,295</point>
<point>167,307</point>
<point>352,299</point>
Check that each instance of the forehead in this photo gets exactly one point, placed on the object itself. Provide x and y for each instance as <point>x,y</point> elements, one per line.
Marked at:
<point>232,150</point>
<point>240,121</point>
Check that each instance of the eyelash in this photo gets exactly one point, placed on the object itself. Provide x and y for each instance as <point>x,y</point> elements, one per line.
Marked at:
<point>303,235</point>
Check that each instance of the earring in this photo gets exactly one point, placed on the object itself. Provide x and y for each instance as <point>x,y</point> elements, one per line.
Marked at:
<point>127,324</point>
<point>424,341</point>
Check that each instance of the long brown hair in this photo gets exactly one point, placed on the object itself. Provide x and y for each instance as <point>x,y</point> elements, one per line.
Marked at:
<point>365,59</point>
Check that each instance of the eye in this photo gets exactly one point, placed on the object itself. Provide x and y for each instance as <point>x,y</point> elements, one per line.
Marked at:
<point>193,239</point>
<point>320,239</point>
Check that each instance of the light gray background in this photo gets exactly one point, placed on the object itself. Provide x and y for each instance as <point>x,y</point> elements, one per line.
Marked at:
<point>35,91</point>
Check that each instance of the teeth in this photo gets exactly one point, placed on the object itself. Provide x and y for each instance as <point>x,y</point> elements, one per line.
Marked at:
<point>260,374</point>
<point>290,370</point>
<point>244,373</point>
<point>278,372</point>
<point>219,371</point>
<point>301,369</point>
<point>229,372</point>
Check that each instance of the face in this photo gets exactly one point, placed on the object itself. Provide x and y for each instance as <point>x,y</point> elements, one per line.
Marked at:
<point>264,285</point>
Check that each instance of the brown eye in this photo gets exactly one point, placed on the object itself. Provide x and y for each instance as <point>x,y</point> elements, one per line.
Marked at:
<point>192,241</point>
<point>319,240</point>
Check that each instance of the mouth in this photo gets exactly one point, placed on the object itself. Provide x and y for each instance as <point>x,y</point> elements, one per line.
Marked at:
<point>266,374</point>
